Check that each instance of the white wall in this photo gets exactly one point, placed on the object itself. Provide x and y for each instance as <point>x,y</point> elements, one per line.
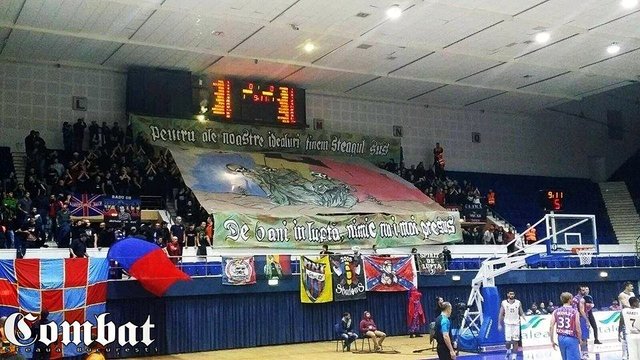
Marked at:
<point>39,97</point>
<point>546,145</point>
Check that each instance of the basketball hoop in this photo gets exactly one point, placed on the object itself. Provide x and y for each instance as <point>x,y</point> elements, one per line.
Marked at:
<point>585,254</point>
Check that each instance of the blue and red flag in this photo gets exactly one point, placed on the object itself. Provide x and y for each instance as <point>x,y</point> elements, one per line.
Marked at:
<point>86,205</point>
<point>148,263</point>
<point>390,273</point>
<point>71,289</point>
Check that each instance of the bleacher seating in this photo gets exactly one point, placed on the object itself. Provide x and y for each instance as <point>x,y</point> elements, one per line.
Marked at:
<point>628,173</point>
<point>518,198</point>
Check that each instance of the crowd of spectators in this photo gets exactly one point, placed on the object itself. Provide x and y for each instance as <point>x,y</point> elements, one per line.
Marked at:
<point>35,210</point>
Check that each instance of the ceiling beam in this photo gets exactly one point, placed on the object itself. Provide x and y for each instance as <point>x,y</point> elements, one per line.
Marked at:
<point>123,40</point>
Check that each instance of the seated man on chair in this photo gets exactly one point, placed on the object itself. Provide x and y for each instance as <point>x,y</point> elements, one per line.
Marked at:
<point>369,329</point>
<point>344,330</point>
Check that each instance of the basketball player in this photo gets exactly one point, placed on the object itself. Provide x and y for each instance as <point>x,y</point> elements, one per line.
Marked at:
<point>565,319</point>
<point>510,314</point>
<point>578,302</point>
<point>630,320</point>
<point>627,293</point>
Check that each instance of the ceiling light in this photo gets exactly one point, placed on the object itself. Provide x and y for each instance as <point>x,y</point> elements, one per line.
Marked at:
<point>394,12</point>
<point>613,48</point>
<point>628,4</point>
<point>542,37</point>
<point>309,47</point>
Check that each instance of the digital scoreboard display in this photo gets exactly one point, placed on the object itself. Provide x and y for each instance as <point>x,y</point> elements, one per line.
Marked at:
<point>552,199</point>
<point>255,102</point>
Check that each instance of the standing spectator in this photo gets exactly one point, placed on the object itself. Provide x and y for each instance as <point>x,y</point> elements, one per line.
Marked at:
<point>105,236</point>
<point>79,248</point>
<point>67,137</point>
<point>488,237</point>
<point>63,219</point>
<point>173,250</point>
<point>491,199</point>
<point>78,134</point>
<point>439,197</point>
<point>415,314</point>
<point>29,142</point>
<point>177,230</point>
<point>446,256</point>
<point>530,236</point>
<point>94,135</point>
<point>476,236</point>
<point>589,306</point>
<point>325,250</point>
<point>498,235</point>
<point>438,161</point>
<point>203,239</point>
<point>191,234</point>
<point>106,135</point>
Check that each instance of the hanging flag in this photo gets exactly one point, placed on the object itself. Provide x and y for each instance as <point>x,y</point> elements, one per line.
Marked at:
<point>238,271</point>
<point>70,289</point>
<point>315,280</point>
<point>348,277</point>
<point>273,266</point>
<point>390,273</point>
<point>86,205</point>
<point>430,264</point>
<point>148,263</point>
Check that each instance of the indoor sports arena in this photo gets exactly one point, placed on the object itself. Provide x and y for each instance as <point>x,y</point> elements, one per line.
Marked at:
<point>320,179</point>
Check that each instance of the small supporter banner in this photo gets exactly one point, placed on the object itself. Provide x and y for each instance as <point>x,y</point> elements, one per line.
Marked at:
<point>315,280</point>
<point>121,211</point>
<point>348,277</point>
<point>430,264</point>
<point>273,266</point>
<point>390,273</point>
<point>238,271</point>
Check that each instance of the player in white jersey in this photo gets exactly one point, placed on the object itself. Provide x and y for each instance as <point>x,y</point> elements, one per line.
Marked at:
<point>624,296</point>
<point>510,314</point>
<point>630,320</point>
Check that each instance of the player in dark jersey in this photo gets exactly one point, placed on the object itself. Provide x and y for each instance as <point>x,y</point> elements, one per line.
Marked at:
<point>566,321</point>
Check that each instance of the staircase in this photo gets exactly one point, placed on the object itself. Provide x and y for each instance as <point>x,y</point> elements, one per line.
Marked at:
<point>19,163</point>
<point>622,212</point>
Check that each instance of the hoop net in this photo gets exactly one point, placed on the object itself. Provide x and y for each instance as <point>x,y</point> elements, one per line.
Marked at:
<point>585,254</point>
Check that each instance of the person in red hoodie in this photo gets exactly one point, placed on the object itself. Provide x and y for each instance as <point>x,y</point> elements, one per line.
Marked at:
<point>369,329</point>
<point>415,313</point>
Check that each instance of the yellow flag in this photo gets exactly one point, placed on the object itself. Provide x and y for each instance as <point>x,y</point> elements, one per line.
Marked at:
<point>315,280</point>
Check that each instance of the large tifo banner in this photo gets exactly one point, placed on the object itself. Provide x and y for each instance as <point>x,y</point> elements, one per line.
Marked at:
<point>247,138</point>
<point>339,231</point>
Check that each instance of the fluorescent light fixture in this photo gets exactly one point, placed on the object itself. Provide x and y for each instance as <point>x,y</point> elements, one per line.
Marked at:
<point>455,277</point>
<point>613,48</point>
<point>309,47</point>
<point>604,274</point>
<point>629,4</point>
<point>542,37</point>
<point>273,282</point>
<point>394,12</point>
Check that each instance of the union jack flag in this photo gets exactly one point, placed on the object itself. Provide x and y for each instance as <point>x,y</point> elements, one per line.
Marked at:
<point>86,205</point>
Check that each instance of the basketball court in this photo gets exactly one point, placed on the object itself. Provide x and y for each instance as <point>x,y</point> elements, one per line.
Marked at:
<point>397,347</point>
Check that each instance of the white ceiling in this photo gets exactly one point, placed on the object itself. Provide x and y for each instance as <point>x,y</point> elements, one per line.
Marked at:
<point>475,54</point>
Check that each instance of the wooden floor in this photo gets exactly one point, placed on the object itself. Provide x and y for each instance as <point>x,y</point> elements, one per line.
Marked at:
<point>318,351</point>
